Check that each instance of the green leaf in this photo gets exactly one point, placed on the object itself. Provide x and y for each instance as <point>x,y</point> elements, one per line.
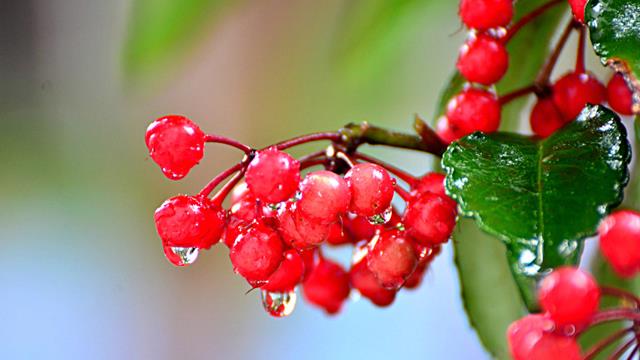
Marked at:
<point>614,26</point>
<point>161,31</point>
<point>541,197</point>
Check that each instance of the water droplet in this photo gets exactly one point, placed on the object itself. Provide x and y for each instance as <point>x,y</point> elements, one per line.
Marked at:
<point>279,304</point>
<point>383,218</point>
<point>181,256</point>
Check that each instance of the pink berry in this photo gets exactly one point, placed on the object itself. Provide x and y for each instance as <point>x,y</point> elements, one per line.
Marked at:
<point>430,219</point>
<point>574,91</point>
<point>474,110</point>
<point>273,175</point>
<point>325,195</point>
<point>288,275</point>
<point>486,14</point>
<point>256,253</point>
<point>363,280</point>
<point>531,338</point>
<point>483,59</point>
<point>545,118</point>
<point>569,295</point>
<point>371,189</point>
<point>327,286</point>
<point>578,7</point>
<point>446,132</point>
<point>391,258</point>
<point>298,230</point>
<point>620,241</point>
<point>176,144</point>
<point>189,221</point>
<point>619,95</point>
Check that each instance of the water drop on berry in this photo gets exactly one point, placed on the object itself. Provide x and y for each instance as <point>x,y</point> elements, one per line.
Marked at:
<point>279,304</point>
<point>181,256</point>
<point>382,218</point>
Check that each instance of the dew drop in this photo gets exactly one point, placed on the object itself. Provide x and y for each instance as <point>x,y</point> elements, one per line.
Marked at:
<point>382,218</point>
<point>279,304</point>
<point>181,256</point>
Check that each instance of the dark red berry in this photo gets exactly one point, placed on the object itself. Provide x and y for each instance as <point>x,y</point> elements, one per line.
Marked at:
<point>391,258</point>
<point>311,257</point>
<point>273,175</point>
<point>359,227</point>
<point>325,195</point>
<point>486,14</point>
<point>569,295</point>
<point>371,189</point>
<point>545,118</point>
<point>483,59</point>
<point>363,280</point>
<point>327,286</point>
<point>300,231</point>
<point>433,183</point>
<point>338,235</point>
<point>620,241</point>
<point>578,7</point>
<point>176,144</point>
<point>288,275</point>
<point>574,91</point>
<point>256,253</point>
<point>619,95</point>
<point>189,221</point>
<point>531,338</point>
<point>430,219</point>
<point>445,132</point>
<point>415,279</point>
<point>474,110</point>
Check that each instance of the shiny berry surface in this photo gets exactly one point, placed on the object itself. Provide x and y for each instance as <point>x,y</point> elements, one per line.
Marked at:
<point>430,219</point>
<point>531,338</point>
<point>486,14</point>
<point>189,221</point>
<point>363,280</point>
<point>445,132</point>
<point>391,258</point>
<point>574,91</point>
<point>619,95</point>
<point>474,110</point>
<point>483,59</point>
<point>300,231</point>
<point>327,286</point>
<point>569,295</point>
<point>359,227</point>
<point>288,275</point>
<point>620,241</point>
<point>176,144</point>
<point>433,183</point>
<point>273,175</point>
<point>325,195</point>
<point>545,118</point>
<point>371,189</point>
<point>338,235</point>
<point>577,7</point>
<point>256,253</point>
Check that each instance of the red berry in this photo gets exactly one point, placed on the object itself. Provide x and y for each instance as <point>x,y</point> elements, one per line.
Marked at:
<point>298,230</point>
<point>338,235</point>
<point>445,132</point>
<point>365,282</point>
<point>574,91</point>
<point>327,286</point>
<point>311,258</point>
<point>530,338</point>
<point>256,253</point>
<point>371,189</point>
<point>176,144</point>
<point>288,275</point>
<point>325,195</point>
<point>359,227</point>
<point>483,59</point>
<point>391,258</point>
<point>474,110</point>
<point>620,241</point>
<point>239,192</point>
<point>569,295</point>
<point>545,118</point>
<point>486,14</point>
<point>415,279</point>
<point>430,219</point>
<point>273,175</point>
<point>619,95</point>
<point>189,221</point>
<point>577,7</point>
<point>433,183</point>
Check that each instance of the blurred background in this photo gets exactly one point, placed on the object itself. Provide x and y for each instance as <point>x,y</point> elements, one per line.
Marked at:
<point>82,268</point>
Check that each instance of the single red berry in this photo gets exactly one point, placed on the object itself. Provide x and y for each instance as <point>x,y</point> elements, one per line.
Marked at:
<point>619,95</point>
<point>359,227</point>
<point>256,253</point>
<point>545,118</point>
<point>486,14</point>
<point>327,286</point>
<point>430,219</point>
<point>363,280</point>
<point>288,275</point>
<point>298,230</point>
<point>446,132</point>
<point>239,192</point>
<point>243,211</point>
<point>176,144</point>
<point>415,279</point>
<point>569,295</point>
<point>474,110</point>
<point>189,221</point>
<point>620,241</point>
<point>483,59</point>
<point>574,91</point>
<point>325,195</point>
<point>531,338</point>
<point>391,258</point>
<point>338,235</point>
<point>371,189</point>
<point>273,175</point>
<point>578,7</point>
<point>433,183</point>
<point>311,257</point>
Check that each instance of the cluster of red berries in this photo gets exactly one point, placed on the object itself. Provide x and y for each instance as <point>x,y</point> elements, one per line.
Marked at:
<point>278,220</point>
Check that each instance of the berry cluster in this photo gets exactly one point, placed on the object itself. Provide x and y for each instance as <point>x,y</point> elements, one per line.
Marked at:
<point>484,60</point>
<point>278,220</point>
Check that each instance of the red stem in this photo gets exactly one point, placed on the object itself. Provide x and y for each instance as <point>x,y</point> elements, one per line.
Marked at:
<point>513,30</point>
<point>542,80</point>
<point>633,353</point>
<point>618,354</point>
<point>224,140</point>
<point>619,293</point>
<point>604,343</point>
<point>402,175</point>
<point>403,193</point>
<point>220,178</point>
<point>312,162</point>
<point>505,99</point>
<point>615,315</point>
<point>227,188</point>
<point>580,55</point>
<point>332,136</point>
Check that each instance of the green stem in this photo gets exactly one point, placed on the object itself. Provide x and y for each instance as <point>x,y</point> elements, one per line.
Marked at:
<point>354,135</point>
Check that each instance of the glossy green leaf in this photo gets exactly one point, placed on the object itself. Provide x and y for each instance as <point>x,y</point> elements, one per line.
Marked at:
<point>541,197</point>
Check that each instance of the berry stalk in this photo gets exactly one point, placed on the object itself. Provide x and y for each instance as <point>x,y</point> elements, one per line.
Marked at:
<point>210,138</point>
<point>206,191</point>
<point>542,80</point>
<point>354,135</point>
<point>402,175</point>
<point>513,30</point>
<point>604,343</point>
